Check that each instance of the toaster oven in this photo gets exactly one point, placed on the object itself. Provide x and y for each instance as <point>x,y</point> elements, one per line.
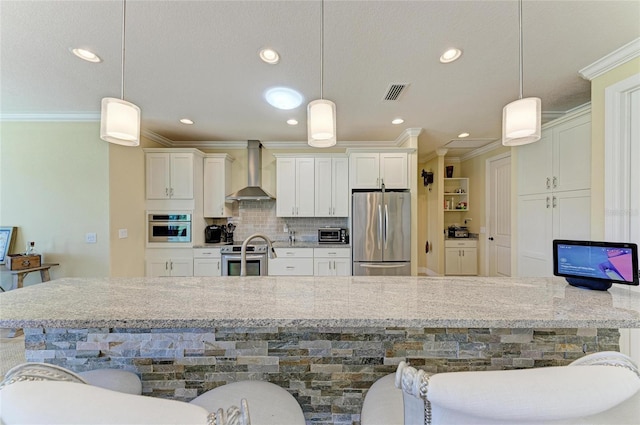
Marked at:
<point>334,235</point>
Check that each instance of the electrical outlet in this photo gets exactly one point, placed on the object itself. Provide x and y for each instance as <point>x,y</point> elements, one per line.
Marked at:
<point>91,238</point>
<point>123,233</point>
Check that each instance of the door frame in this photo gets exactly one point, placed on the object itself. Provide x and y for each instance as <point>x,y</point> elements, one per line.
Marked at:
<point>487,203</point>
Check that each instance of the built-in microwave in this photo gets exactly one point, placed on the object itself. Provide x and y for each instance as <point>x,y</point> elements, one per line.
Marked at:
<point>332,235</point>
<point>169,228</point>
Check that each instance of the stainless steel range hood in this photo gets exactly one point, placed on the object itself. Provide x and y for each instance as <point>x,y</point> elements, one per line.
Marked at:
<point>253,191</point>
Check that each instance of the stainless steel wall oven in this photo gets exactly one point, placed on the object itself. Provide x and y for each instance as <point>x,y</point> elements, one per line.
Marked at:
<point>169,228</point>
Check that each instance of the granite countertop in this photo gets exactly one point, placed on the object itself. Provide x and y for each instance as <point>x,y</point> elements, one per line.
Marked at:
<point>317,301</point>
<point>281,244</point>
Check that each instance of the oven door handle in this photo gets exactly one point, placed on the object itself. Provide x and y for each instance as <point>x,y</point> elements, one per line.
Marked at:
<point>249,257</point>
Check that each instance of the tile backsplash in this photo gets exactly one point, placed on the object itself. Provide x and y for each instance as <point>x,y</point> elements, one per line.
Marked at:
<point>260,216</point>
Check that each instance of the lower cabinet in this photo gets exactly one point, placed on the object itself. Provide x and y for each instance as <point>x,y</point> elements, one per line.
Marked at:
<point>168,262</point>
<point>460,257</point>
<point>207,262</point>
<point>291,262</point>
<point>332,262</point>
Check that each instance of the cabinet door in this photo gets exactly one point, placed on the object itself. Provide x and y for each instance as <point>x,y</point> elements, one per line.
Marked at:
<point>340,187</point>
<point>157,175</point>
<point>342,266</point>
<point>158,267</point>
<point>181,176</point>
<point>285,187</point>
<point>322,267</point>
<point>365,170</point>
<point>535,231</point>
<point>181,267</point>
<point>206,267</point>
<point>452,261</point>
<point>469,262</point>
<point>572,215</point>
<point>535,170</point>
<point>324,187</point>
<point>305,187</point>
<point>394,170</point>
<point>216,187</point>
<point>572,154</point>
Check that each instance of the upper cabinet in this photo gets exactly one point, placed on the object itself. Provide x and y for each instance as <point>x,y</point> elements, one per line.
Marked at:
<point>560,160</point>
<point>217,185</point>
<point>170,175</point>
<point>331,189</point>
<point>295,185</point>
<point>370,170</point>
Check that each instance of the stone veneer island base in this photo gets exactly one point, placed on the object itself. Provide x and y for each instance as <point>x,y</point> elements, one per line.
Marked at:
<point>325,340</point>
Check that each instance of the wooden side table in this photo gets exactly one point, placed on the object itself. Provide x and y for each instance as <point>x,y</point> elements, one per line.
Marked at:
<point>18,275</point>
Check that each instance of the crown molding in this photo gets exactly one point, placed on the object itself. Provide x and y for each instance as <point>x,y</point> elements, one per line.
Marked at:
<point>155,137</point>
<point>406,135</point>
<point>482,150</point>
<point>614,59</point>
<point>52,117</point>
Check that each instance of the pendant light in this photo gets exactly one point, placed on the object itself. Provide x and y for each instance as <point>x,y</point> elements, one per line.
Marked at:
<point>120,120</point>
<point>521,119</point>
<point>321,113</point>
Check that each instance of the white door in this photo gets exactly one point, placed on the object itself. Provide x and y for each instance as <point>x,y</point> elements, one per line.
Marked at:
<point>214,187</point>
<point>286,187</point>
<point>305,187</point>
<point>181,176</point>
<point>342,267</point>
<point>157,175</point>
<point>206,267</point>
<point>340,185</point>
<point>322,267</point>
<point>499,216</point>
<point>365,170</point>
<point>323,187</point>
<point>394,171</point>
<point>535,233</point>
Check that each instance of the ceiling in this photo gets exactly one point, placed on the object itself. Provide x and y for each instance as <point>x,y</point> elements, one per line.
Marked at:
<point>199,59</point>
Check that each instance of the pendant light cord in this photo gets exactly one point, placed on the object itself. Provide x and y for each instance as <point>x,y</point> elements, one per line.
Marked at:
<point>520,31</point>
<point>322,49</point>
<point>124,20</point>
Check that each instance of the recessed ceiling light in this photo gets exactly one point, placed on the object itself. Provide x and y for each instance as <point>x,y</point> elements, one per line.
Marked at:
<point>186,121</point>
<point>397,121</point>
<point>269,56</point>
<point>292,122</point>
<point>86,55</point>
<point>463,135</point>
<point>283,98</point>
<point>450,55</point>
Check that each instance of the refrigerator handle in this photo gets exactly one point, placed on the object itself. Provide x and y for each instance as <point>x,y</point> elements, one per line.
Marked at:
<point>386,224</point>
<point>379,226</point>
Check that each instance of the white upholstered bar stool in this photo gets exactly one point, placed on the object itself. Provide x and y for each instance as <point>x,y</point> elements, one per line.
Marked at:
<point>601,388</point>
<point>269,403</point>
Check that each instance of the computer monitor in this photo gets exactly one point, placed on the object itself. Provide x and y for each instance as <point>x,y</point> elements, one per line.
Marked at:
<point>596,265</point>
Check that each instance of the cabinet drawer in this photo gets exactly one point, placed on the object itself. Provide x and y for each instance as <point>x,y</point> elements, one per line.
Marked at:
<point>290,267</point>
<point>458,243</point>
<point>294,252</point>
<point>332,252</point>
<point>206,253</point>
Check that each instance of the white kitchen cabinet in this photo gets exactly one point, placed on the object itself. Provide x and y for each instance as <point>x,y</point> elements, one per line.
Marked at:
<point>207,262</point>
<point>560,160</point>
<point>460,257</point>
<point>169,175</point>
<point>332,262</point>
<point>331,189</point>
<point>370,170</point>
<point>169,262</point>
<point>295,185</point>
<point>544,217</point>
<point>217,185</point>
<point>554,197</point>
<point>291,262</point>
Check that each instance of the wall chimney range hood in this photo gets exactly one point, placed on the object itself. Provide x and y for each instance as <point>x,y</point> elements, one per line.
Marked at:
<point>253,191</point>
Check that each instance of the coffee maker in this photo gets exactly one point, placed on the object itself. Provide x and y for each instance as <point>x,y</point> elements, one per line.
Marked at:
<point>213,234</point>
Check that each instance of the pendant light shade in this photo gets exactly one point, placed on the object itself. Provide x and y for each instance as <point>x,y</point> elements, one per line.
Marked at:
<point>321,123</point>
<point>119,119</point>
<point>521,121</point>
<point>321,113</point>
<point>120,122</point>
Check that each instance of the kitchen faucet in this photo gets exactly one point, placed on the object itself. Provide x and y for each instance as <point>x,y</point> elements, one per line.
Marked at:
<point>243,251</point>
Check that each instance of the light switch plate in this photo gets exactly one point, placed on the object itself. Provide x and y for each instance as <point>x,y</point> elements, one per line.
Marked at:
<point>123,233</point>
<point>91,238</point>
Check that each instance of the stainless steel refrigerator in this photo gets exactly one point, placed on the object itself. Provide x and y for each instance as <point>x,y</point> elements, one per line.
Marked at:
<point>381,233</point>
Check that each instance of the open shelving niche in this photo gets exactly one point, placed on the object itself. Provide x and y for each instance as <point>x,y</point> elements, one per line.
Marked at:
<point>456,194</point>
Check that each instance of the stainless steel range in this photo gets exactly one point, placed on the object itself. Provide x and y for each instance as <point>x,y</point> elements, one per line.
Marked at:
<point>256,260</point>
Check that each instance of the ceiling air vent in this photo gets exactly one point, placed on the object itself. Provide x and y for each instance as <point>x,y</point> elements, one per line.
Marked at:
<point>394,91</point>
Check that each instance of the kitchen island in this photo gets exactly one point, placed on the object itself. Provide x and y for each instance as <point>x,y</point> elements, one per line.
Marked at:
<point>326,340</point>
